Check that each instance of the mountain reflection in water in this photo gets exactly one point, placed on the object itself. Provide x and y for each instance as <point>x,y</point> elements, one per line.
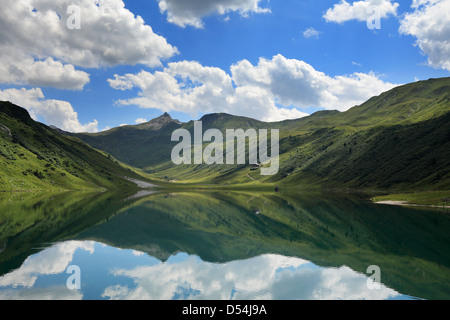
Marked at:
<point>221,245</point>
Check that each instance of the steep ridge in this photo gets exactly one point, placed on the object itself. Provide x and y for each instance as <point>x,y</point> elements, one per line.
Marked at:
<point>36,157</point>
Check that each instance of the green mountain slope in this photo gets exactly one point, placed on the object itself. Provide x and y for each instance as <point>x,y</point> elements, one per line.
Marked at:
<point>398,140</point>
<point>36,157</point>
<point>135,145</point>
<point>405,156</point>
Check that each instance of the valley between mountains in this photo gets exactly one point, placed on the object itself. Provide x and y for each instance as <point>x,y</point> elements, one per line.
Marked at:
<point>396,142</point>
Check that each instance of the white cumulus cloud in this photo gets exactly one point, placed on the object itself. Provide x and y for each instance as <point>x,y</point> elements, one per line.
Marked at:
<point>295,82</point>
<point>311,33</point>
<point>273,90</point>
<point>37,47</point>
<point>429,23</point>
<point>360,10</point>
<point>190,12</point>
<point>191,88</point>
<point>140,121</point>
<point>22,69</point>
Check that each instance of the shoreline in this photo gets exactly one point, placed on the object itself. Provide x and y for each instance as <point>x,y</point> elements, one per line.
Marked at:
<point>141,184</point>
<point>405,203</point>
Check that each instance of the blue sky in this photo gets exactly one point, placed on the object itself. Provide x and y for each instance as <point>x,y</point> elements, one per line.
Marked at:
<point>270,60</point>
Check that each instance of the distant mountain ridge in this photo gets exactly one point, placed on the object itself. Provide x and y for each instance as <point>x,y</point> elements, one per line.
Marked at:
<point>158,123</point>
<point>399,139</point>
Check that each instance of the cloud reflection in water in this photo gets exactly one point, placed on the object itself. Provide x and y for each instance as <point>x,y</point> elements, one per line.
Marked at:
<point>130,274</point>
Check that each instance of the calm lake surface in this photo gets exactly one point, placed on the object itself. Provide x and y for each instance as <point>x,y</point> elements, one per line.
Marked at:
<point>219,246</point>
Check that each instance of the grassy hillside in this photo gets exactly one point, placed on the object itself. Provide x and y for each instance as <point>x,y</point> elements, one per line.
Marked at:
<point>404,156</point>
<point>398,140</point>
<point>36,157</point>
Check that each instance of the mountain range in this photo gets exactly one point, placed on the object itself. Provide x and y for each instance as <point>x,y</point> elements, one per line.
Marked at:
<point>399,140</point>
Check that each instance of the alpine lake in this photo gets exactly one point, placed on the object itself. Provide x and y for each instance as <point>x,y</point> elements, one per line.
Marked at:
<point>220,245</point>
